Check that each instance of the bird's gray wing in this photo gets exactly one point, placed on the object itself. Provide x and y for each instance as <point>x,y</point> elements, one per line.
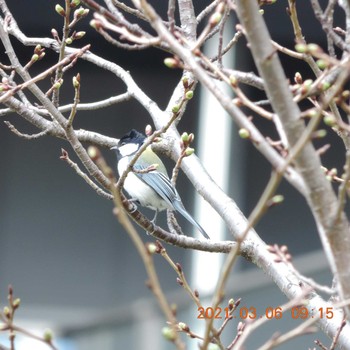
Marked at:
<point>159,182</point>
<point>163,187</point>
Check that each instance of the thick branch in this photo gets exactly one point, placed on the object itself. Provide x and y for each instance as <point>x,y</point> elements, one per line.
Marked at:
<point>321,198</point>
<point>220,202</point>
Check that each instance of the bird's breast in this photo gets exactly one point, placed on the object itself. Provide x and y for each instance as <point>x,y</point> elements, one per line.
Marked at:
<point>139,190</point>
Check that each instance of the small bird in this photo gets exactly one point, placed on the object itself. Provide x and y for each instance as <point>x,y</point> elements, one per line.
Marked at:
<point>148,183</point>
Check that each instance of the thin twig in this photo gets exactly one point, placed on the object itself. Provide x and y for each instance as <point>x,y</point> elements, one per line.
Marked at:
<point>207,10</point>
<point>177,168</point>
<point>73,112</point>
<point>229,46</point>
<point>258,322</point>
<point>304,328</point>
<point>75,167</point>
<point>62,43</point>
<point>338,41</point>
<point>86,106</point>
<point>221,36</point>
<point>171,15</point>
<point>336,337</point>
<point>243,98</point>
<point>179,271</point>
<point>256,214</point>
<point>145,255</point>
<point>26,136</point>
<point>44,74</point>
<point>119,44</point>
<point>125,33</point>
<point>288,52</point>
<point>328,15</point>
<point>129,9</point>
<point>343,189</point>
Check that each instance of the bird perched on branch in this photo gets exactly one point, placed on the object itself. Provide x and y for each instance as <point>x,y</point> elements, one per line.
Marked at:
<point>148,182</point>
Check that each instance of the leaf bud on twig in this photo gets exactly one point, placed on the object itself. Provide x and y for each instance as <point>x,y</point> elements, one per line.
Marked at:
<point>55,35</point>
<point>74,3</point>
<point>325,85</point>
<point>179,281</point>
<point>81,12</point>
<point>76,81</point>
<point>183,326</point>
<point>60,10</point>
<point>93,152</point>
<point>169,333</point>
<point>16,303</point>
<point>4,87</point>
<point>189,95</point>
<point>185,137</point>
<point>276,199</point>
<point>322,64</point>
<point>240,327</point>
<point>79,35</point>
<point>148,130</point>
<point>7,312</point>
<point>189,151</point>
<point>298,78</point>
<point>237,102</point>
<point>311,113</point>
<point>314,48</point>
<point>58,84</point>
<point>179,267</point>
<point>345,94</point>
<point>48,335</point>
<point>37,49</point>
<point>185,82</point>
<point>215,19</point>
<point>330,120</point>
<point>244,133</point>
<point>35,57</point>
<point>95,24</point>
<point>171,62</point>
<point>233,80</point>
<point>307,83</point>
<point>173,308</point>
<point>175,109</point>
<point>301,48</point>
<point>152,248</point>
<point>319,134</point>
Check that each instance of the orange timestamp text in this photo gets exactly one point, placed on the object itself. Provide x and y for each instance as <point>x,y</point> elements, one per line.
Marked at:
<point>250,313</point>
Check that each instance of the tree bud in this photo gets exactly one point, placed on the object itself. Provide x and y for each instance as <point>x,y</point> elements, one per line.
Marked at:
<point>169,333</point>
<point>244,133</point>
<point>189,95</point>
<point>171,62</point>
<point>60,10</point>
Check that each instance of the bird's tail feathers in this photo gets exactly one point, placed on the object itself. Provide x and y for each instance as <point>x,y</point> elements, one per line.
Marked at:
<point>181,209</point>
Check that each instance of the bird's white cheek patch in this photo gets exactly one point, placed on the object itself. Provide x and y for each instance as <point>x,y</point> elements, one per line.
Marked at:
<point>128,149</point>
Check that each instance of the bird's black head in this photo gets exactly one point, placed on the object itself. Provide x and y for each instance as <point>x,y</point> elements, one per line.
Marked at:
<point>133,136</point>
<point>129,144</point>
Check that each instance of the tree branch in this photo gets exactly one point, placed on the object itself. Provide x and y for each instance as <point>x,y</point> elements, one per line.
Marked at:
<point>320,195</point>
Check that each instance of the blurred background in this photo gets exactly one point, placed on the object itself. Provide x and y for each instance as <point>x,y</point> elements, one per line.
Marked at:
<point>67,258</point>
